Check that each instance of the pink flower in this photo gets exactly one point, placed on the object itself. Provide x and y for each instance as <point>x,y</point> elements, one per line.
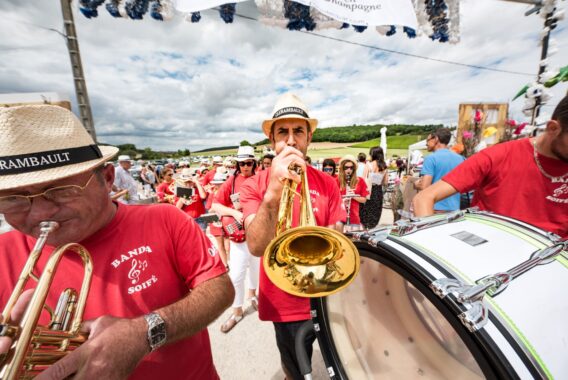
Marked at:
<point>467,134</point>
<point>478,116</point>
<point>520,128</point>
<point>511,123</point>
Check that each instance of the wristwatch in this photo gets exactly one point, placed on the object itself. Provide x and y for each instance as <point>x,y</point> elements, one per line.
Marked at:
<point>156,330</point>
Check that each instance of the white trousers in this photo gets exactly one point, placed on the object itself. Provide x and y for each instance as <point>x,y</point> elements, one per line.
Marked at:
<point>240,260</point>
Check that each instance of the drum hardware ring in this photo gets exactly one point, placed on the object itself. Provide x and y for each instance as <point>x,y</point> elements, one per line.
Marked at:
<point>406,227</point>
<point>471,296</point>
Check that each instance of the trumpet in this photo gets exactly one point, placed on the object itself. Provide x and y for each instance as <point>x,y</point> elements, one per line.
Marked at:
<point>308,261</point>
<point>34,348</point>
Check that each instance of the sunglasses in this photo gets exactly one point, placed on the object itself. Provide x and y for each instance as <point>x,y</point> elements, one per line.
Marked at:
<point>328,170</point>
<point>60,194</point>
<point>245,163</point>
<point>348,167</point>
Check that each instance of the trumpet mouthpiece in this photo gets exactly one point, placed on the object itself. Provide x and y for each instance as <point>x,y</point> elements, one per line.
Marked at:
<point>48,226</point>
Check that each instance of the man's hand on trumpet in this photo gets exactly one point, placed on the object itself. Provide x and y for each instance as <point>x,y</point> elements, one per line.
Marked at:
<point>280,171</point>
<point>114,348</point>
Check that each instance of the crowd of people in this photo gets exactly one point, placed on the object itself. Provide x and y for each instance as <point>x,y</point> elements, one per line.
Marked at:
<point>160,271</point>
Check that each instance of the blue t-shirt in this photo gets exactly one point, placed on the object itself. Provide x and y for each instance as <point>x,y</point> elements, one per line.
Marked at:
<point>438,164</point>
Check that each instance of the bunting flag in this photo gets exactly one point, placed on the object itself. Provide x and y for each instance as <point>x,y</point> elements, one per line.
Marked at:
<point>437,19</point>
<point>188,6</point>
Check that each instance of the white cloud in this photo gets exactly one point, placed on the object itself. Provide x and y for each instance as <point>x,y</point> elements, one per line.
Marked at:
<point>172,85</point>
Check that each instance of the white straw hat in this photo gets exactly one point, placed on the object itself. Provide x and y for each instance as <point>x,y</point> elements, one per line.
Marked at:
<point>218,160</point>
<point>43,143</point>
<point>123,157</point>
<point>245,153</point>
<point>289,106</point>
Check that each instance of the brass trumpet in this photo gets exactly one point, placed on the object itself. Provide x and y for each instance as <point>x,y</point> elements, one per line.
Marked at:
<point>34,348</point>
<point>308,261</point>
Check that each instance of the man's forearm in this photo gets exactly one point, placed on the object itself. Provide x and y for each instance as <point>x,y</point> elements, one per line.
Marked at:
<point>262,228</point>
<point>198,309</point>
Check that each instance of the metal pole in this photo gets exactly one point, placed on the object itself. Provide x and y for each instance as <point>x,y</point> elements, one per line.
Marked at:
<point>78,75</point>
<point>542,68</point>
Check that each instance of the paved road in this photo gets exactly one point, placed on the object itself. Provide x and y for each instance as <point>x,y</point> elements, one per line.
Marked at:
<point>249,350</point>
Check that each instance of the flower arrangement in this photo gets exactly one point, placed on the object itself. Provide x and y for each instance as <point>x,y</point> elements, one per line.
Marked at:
<point>471,138</point>
<point>513,129</point>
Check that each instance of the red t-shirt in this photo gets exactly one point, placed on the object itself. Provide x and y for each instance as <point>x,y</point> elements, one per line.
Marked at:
<point>274,304</point>
<point>196,208</point>
<point>223,195</point>
<point>360,189</point>
<point>146,258</point>
<point>208,177</point>
<point>163,189</point>
<point>507,181</point>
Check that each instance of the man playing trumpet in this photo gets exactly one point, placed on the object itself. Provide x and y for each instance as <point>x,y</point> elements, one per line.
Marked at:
<point>290,131</point>
<point>157,280</point>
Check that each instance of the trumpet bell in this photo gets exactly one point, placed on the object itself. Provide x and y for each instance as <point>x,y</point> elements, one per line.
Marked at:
<point>311,261</point>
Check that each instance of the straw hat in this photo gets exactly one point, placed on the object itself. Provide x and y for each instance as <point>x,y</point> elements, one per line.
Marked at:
<point>44,143</point>
<point>245,153</point>
<point>123,157</point>
<point>217,160</point>
<point>188,174</point>
<point>348,157</point>
<point>288,106</point>
<point>219,178</point>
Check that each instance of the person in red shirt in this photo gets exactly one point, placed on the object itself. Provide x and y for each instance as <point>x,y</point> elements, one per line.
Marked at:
<point>157,280</point>
<point>192,206</point>
<point>525,179</point>
<point>290,132</point>
<point>353,189</point>
<point>227,205</point>
<point>216,228</point>
<point>164,191</point>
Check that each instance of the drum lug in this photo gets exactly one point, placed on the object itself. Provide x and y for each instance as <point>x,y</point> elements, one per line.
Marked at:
<point>406,227</point>
<point>445,286</point>
<point>475,317</point>
<point>471,296</point>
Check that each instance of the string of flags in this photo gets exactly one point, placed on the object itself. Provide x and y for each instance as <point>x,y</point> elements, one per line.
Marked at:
<point>436,19</point>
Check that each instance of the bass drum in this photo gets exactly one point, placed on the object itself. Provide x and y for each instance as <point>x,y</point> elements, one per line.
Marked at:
<point>389,324</point>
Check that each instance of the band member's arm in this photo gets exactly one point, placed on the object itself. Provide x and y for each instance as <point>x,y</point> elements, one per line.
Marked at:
<point>424,182</point>
<point>260,227</point>
<point>424,201</point>
<point>223,210</point>
<point>116,345</point>
<point>200,189</point>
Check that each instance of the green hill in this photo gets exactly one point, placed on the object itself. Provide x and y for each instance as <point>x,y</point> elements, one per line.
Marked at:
<point>356,133</point>
<point>393,142</point>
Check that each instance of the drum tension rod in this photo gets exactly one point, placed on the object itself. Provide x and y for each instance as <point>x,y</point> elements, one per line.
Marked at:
<point>471,296</point>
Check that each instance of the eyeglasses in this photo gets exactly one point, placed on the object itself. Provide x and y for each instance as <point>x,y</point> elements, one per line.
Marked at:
<point>245,163</point>
<point>430,138</point>
<point>348,167</point>
<point>60,194</point>
<point>328,170</point>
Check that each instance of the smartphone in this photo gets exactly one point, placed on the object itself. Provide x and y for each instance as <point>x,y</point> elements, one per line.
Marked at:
<point>185,192</point>
<point>209,218</point>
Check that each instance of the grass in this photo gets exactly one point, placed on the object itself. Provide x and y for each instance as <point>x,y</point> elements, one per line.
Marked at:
<point>396,142</point>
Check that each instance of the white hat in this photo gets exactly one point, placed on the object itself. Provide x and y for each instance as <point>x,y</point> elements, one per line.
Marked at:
<point>245,153</point>
<point>44,143</point>
<point>229,161</point>
<point>217,160</point>
<point>123,157</point>
<point>289,106</point>
<point>187,174</point>
<point>219,178</point>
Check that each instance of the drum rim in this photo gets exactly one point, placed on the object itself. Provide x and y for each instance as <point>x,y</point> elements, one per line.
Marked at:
<point>492,361</point>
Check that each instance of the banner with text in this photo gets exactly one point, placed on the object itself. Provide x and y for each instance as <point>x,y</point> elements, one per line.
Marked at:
<point>367,12</point>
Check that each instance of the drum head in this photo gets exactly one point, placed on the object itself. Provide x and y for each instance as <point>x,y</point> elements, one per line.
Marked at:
<point>388,325</point>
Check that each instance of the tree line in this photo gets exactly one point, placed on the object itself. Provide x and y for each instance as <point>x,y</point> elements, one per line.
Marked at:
<point>356,133</point>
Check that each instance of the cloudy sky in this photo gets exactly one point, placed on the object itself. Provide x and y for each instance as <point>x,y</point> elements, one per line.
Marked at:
<point>176,85</point>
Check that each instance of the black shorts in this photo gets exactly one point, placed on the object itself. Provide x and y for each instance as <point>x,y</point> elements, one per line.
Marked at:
<point>286,340</point>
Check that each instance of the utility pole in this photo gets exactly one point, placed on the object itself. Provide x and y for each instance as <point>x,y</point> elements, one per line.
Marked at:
<point>78,76</point>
